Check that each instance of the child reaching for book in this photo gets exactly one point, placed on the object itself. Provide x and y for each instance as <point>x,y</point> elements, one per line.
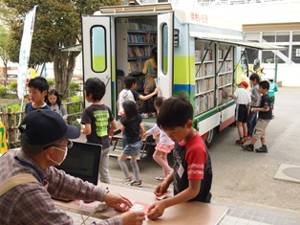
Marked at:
<point>150,71</point>
<point>133,128</point>
<point>164,147</point>
<point>53,100</point>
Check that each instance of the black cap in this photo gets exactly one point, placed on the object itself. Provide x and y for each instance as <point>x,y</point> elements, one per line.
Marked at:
<point>44,126</point>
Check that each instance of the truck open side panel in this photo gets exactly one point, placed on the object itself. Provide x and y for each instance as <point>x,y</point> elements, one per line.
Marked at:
<point>165,53</point>
<point>96,38</point>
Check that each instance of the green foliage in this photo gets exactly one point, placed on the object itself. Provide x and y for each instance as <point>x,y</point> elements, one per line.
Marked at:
<point>3,91</point>
<point>73,89</point>
<point>13,86</point>
<point>17,107</point>
<point>51,83</point>
<point>3,45</point>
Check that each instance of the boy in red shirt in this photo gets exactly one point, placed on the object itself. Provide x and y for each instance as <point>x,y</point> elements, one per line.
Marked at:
<point>192,174</point>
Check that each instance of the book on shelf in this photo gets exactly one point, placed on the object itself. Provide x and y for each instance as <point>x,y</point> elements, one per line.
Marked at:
<point>227,66</point>
<point>208,69</point>
<point>197,55</point>
<point>137,51</point>
<point>209,55</point>
<point>221,54</point>
<point>198,71</point>
<point>221,94</point>
<point>204,102</point>
<point>225,79</point>
<point>153,38</point>
<point>205,85</point>
<point>137,38</point>
<point>141,26</point>
<point>136,65</point>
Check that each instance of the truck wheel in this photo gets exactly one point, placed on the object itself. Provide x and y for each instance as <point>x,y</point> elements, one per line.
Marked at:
<point>210,136</point>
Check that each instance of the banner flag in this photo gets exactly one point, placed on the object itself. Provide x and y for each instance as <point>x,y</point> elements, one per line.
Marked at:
<point>25,51</point>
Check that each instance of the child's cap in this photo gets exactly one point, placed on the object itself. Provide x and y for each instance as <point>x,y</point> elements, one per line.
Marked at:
<point>44,126</point>
<point>244,83</point>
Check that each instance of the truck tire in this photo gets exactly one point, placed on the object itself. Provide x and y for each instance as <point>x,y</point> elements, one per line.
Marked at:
<point>210,137</point>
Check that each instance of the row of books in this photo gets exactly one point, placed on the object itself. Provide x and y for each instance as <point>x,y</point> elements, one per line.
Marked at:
<point>137,51</point>
<point>222,52</point>
<point>137,38</point>
<point>205,85</point>
<point>227,66</point>
<point>136,65</point>
<point>225,79</point>
<point>141,26</point>
<point>141,38</point>
<point>208,56</point>
<point>204,102</point>
<point>207,71</point>
<point>221,94</point>
<point>198,56</point>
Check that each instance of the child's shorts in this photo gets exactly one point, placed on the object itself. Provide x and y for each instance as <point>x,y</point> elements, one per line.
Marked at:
<point>133,149</point>
<point>241,113</point>
<point>164,148</point>
<point>149,85</point>
<point>260,129</point>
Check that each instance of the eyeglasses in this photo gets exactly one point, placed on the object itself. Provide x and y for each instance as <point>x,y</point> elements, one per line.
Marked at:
<point>69,145</point>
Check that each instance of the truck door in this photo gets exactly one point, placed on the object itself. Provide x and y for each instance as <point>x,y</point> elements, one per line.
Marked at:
<point>165,53</point>
<point>96,48</point>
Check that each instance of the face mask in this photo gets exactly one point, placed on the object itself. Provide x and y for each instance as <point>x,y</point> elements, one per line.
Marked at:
<point>65,155</point>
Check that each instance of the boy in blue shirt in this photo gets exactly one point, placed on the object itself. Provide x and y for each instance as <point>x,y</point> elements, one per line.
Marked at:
<point>38,89</point>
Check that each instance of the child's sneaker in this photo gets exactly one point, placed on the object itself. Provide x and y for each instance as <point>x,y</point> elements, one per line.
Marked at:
<point>127,180</point>
<point>136,183</point>
<point>160,178</point>
<point>248,137</point>
<point>262,149</point>
<point>248,147</point>
<point>240,142</point>
<point>153,114</point>
<point>145,115</point>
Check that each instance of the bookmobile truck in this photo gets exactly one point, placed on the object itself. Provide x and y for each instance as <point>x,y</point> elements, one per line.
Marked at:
<point>198,55</point>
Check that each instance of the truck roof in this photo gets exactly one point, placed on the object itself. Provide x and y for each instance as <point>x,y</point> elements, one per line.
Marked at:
<point>184,15</point>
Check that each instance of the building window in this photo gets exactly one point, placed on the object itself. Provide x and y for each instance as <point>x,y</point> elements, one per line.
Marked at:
<point>268,57</point>
<point>296,36</point>
<point>296,53</point>
<point>269,36</point>
<point>282,36</point>
<point>285,52</point>
<point>252,55</point>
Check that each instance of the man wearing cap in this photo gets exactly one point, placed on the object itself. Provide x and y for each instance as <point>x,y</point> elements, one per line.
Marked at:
<point>28,178</point>
<point>243,103</point>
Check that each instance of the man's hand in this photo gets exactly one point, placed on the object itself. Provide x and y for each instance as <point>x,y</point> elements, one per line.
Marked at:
<point>132,218</point>
<point>114,201</point>
<point>161,189</point>
<point>156,90</point>
<point>156,210</point>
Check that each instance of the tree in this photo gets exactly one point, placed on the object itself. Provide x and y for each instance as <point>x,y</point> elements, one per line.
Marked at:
<point>3,50</point>
<point>57,24</point>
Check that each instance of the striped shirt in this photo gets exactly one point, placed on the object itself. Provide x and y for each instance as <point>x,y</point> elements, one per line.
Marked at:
<point>31,204</point>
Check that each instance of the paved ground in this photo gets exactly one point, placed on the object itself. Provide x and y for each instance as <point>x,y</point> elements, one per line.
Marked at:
<point>244,180</point>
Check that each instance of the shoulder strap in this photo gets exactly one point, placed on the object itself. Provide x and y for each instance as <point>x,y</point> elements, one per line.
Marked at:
<point>15,181</point>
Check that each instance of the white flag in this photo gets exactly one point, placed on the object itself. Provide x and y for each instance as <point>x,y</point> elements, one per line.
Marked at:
<point>25,51</point>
